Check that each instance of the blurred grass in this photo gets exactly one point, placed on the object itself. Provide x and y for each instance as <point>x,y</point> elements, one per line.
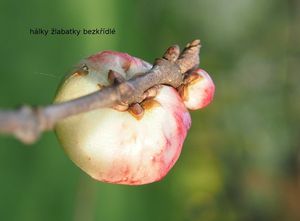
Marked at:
<point>241,158</point>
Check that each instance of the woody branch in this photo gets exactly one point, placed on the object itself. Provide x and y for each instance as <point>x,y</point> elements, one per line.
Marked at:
<point>27,123</point>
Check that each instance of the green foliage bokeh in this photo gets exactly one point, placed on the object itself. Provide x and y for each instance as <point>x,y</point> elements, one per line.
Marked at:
<point>240,160</point>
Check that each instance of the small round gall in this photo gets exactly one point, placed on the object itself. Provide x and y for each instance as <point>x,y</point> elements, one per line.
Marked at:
<point>132,147</point>
<point>198,90</point>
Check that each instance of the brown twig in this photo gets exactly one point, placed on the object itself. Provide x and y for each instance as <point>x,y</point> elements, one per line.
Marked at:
<point>27,123</point>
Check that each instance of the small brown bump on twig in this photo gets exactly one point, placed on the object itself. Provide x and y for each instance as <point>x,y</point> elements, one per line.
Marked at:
<point>136,110</point>
<point>151,92</point>
<point>159,61</point>
<point>172,53</point>
<point>115,77</point>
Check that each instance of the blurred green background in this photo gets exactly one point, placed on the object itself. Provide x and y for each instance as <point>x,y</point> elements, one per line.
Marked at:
<point>241,159</point>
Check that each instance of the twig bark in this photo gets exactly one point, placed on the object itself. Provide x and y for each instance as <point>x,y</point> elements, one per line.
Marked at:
<point>27,123</point>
